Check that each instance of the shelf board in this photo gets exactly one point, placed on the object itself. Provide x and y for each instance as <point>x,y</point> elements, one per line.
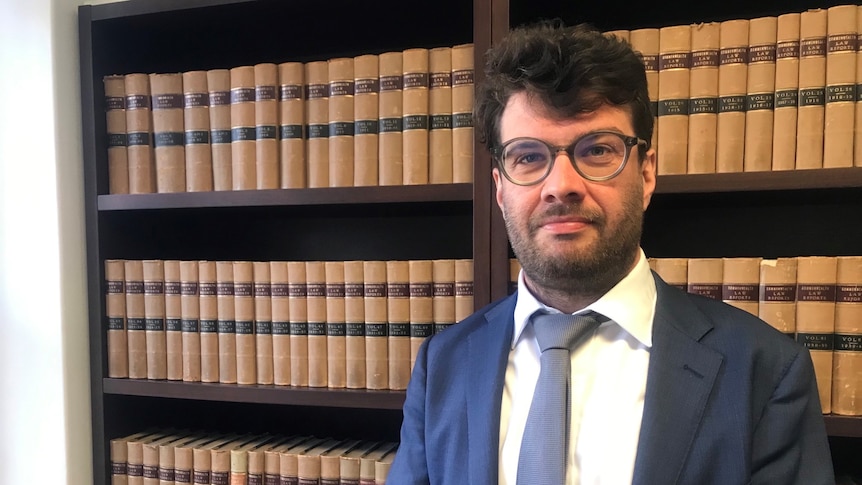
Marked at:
<point>396,194</point>
<point>846,426</point>
<point>260,394</point>
<point>826,178</point>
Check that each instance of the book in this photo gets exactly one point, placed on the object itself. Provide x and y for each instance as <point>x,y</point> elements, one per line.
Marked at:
<point>243,134</point>
<point>382,466</point>
<point>173,320</point>
<point>308,462</point>
<point>184,456</point>
<point>317,122</point>
<point>786,92</point>
<point>289,459</point>
<point>190,314</point>
<point>812,89</point>
<point>674,271</point>
<point>272,459</point>
<point>266,126</point>
<point>705,277</point>
<point>778,294</point>
<point>350,462</point>
<point>703,91</point>
<point>463,289</point>
<point>115,123</point>
<point>218,84</point>
<point>741,283</point>
<point>463,141</point>
<point>167,464</point>
<point>330,461</point>
<point>390,112</point>
<point>119,452</point>
<point>203,456</point>
<point>336,331</point>
<point>298,296</point>
<point>341,127</point>
<point>154,318</point>
<point>226,329</point>
<point>220,458</point>
<point>139,129</point>
<point>645,42</point>
<point>256,459</point>
<point>847,357</point>
<point>315,279</point>
<point>263,349</point>
<point>243,292</point>
<point>840,110</point>
<point>421,289</point>
<point>440,116</point>
<point>196,138</point>
<point>816,278</point>
<point>760,94</point>
<point>398,313</point>
<point>674,72</point>
<point>622,34</point>
<point>115,316</point>
<point>168,131</point>
<point>368,462</point>
<point>366,75</point>
<point>376,325</point>
<point>732,88</point>
<point>443,297</point>
<point>208,299</point>
<point>354,318</point>
<point>857,131</point>
<point>291,132</point>
<point>239,459</point>
<point>414,123</point>
<point>281,340</point>
<point>151,464</point>
<point>136,337</point>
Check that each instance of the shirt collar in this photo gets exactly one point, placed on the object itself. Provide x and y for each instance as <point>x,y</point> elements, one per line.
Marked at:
<point>630,304</point>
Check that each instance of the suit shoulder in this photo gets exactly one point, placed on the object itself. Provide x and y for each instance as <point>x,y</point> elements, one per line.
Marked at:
<point>483,316</point>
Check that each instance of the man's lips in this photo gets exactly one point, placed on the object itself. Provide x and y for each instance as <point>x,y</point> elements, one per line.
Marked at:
<point>564,224</point>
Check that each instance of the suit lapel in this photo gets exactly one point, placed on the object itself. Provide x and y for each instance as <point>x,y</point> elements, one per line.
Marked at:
<point>680,378</point>
<point>489,344</point>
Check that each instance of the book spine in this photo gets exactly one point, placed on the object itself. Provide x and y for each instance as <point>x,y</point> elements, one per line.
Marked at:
<point>812,89</point>
<point>463,81</point>
<point>857,131</point>
<point>196,139</point>
<point>154,317</point>
<point>263,349</point>
<point>421,288</point>
<point>847,359</point>
<point>703,93</point>
<point>415,87</point>
<point>266,125</point>
<point>191,311</point>
<point>674,71</point>
<point>760,94</point>
<point>336,325</point>
<point>281,340</point>
<point>243,291</point>
<point>298,302</point>
<point>376,325</point>
<point>398,312</point>
<point>366,110</point>
<point>173,320</point>
<point>315,277</point>
<point>226,329</point>
<point>168,131</point>
<point>391,112</point>
<point>705,277</point>
<point>218,84</point>
<point>119,462</point>
<point>115,314</point>
<point>317,122</point>
<point>291,130</point>
<point>732,88</point>
<point>115,123</point>
<point>815,318</point>
<point>139,131</point>
<point>340,115</point>
<point>840,110</point>
<point>243,136</point>
<point>463,289</point>
<point>443,298</point>
<point>208,297</point>
<point>674,271</point>
<point>740,283</point>
<point>786,92</point>
<point>354,318</point>
<point>440,116</point>
<point>777,294</point>
<point>646,43</point>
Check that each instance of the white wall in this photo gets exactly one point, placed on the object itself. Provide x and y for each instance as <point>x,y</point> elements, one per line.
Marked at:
<point>44,383</point>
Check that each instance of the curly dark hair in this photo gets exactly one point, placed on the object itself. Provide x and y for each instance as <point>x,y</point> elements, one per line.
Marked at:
<point>569,69</point>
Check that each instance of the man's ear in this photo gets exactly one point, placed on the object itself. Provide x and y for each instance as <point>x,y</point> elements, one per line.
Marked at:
<point>648,172</point>
<point>498,184</point>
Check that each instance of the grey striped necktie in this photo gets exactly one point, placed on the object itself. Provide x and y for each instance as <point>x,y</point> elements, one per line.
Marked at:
<point>544,448</point>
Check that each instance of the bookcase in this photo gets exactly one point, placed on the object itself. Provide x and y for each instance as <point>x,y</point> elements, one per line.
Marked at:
<point>769,214</point>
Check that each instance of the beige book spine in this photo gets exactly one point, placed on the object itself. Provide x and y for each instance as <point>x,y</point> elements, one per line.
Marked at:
<point>760,95</point>
<point>398,312</point>
<point>288,461</point>
<point>443,298</point>
<point>463,289</point>
<point>415,85</point>
<point>732,88</point>
<point>421,288</point>
<point>703,91</point>
<point>115,123</point>
<point>366,109</point>
<point>154,316</point>
<point>514,272</point>
<point>376,325</point>
<point>812,89</point>
<point>336,331</point>
<point>317,122</point>
<point>266,125</point>
<point>440,116</point>
<point>674,72</point>
<point>173,320</point>
<point>354,318</point>
<point>272,460</point>
<point>119,456</point>
<point>349,463</point>
<point>218,85</point>
<point>840,110</point>
<point>169,150</point>
<point>184,461</point>
<point>136,336</point>
<point>741,282</point>
<point>705,277</point>
<point>208,297</point>
<point>152,458</point>
<point>816,278</point>
<point>139,131</point>
<point>674,271</point>
<point>463,141</point>
<point>786,92</point>
<point>298,302</point>
<point>381,468</point>
<point>115,314</point>
<point>243,293</point>
<point>291,107</point>
<point>196,140</point>
<point>243,146</point>
<point>190,314</point>
<point>778,294</point>
<point>263,322</point>
<point>315,277</point>
<point>367,463</point>
<point>847,360</point>
<point>622,34</point>
<point>857,131</point>
<point>226,322</point>
<point>390,112</point>
<point>330,462</point>
<point>646,43</point>
<point>341,126</point>
<point>281,339</point>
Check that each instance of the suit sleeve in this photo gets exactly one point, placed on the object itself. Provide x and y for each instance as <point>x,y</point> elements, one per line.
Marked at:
<point>410,465</point>
<point>790,444</point>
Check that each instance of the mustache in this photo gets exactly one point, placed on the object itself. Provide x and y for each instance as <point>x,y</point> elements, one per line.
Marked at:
<point>570,210</point>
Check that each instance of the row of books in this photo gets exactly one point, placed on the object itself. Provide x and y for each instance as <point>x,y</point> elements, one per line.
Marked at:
<point>336,324</point>
<point>178,456</point>
<point>400,117</point>
<point>768,93</point>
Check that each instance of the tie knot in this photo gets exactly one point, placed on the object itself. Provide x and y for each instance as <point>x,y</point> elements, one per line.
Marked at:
<point>561,330</point>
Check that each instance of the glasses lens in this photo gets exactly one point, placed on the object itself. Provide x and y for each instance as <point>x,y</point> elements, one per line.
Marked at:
<point>526,160</point>
<point>600,154</point>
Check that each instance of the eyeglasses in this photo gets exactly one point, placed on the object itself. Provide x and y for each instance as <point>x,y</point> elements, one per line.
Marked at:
<point>596,156</point>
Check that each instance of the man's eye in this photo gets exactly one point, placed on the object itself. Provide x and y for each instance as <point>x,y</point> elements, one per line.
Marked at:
<point>531,158</point>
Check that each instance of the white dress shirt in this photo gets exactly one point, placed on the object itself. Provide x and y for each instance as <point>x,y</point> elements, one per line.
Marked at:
<point>609,373</point>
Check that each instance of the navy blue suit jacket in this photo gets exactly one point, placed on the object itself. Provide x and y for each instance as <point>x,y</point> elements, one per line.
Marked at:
<point>729,400</point>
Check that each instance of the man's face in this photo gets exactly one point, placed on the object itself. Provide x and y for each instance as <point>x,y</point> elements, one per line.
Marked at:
<point>570,234</point>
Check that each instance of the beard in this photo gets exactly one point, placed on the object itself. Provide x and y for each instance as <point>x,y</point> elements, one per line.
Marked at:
<point>585,271</point>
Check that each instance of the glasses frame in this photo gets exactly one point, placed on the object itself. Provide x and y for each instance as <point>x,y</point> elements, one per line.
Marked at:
<point>628,141</point>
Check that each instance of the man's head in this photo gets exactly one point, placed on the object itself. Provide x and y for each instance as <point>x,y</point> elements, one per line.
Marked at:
<point>580,100</point>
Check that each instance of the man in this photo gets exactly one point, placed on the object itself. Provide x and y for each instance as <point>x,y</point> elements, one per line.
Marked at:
<point>664,387</point>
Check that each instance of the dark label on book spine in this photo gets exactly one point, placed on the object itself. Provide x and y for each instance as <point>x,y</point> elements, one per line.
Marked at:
<point>241,95</point>
<point>280,289</point>
<point>848,294</point>
<point>341,88</point>
<point>255,479</point>
<point>298,328</point>
<point>244,327</point>
<point>218,137</point>
<point>414,80</point>
<point>441,80</point>
<point>262,290</point>
<point>729,104</point>
<point>174,325</point>
<point>242,288</point>
<point>738,292</point>
<point>366,127</point>
<point>118,468</point>
<point>421,290</point>
<point>859,92</point>
<point>668,107</point>
<point>115,286</point>
<point>415,122</point>
<point>787,98</point>
<point>318,131</point>
<point>224,288</point>
<point>289,480</point>
<point>135,470</point>
<point>167,101</point>
<point>262,327</point>
<point>155,324</point>
<point>650,62</point>
<point>398,290</point>
<point>209,326</point>
<point>812,47</point>
<point>243,133</point>
<point>137,101</point>
<point>354,290</point>
<point>390,125</point>
<point>354,329</point>
<point>439,327</point>
<point>226,326</point>
<point>848,343</point>
<point>219,98</point>
<point>197,137</point>
<point>287,132</point>
<point>778,293</point>
<point>444,289</point>
<point>703,289</point>
<point>135,323</point>
<point>266,132</point>
<point>334,290</point>
<point>316,290</point>
<point>281,328</point>
<point>138,138</point>
<point>297,290</point>
<point>809,292</point>
<point>367,86</point>
<point>117,140</point>
<point>264,93</point>
<point>116,323</point>
<point>761,53</point>
<point>341,128</point>
<point>269,479</point>
<point>440,122</point>
<point>760,101</point>
<point>183,476</point>
<point>167,474</point>
<point>316,91</point>
<point>421,330</point>
<point>169,139</point>
<point>135,287</point>
<point>788,49</point>
<point>376,329</point>
<point>463,288</point>
<point>733,55</point>
<point>698,106</point>
<point>816,341</point>
<point>336,329</point>
<point>674,60</point>
<point>462,77</point>
<point>375,290</point>
<point>397,329</point>
<point>202,477</point>
<point>390,83</point>
<point>286,92</point>
<point>208,288</point>
<point>220,478</point>
<point>189,325</point>
<point>462,120</point>
<point>329,481</point>
<point>151,471</point>
<point>704,58</point>
<point>114,103</point>
<point>317,329</point>
<point>196,100</point>
<point>841,93</point>
<point>841,43</point>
